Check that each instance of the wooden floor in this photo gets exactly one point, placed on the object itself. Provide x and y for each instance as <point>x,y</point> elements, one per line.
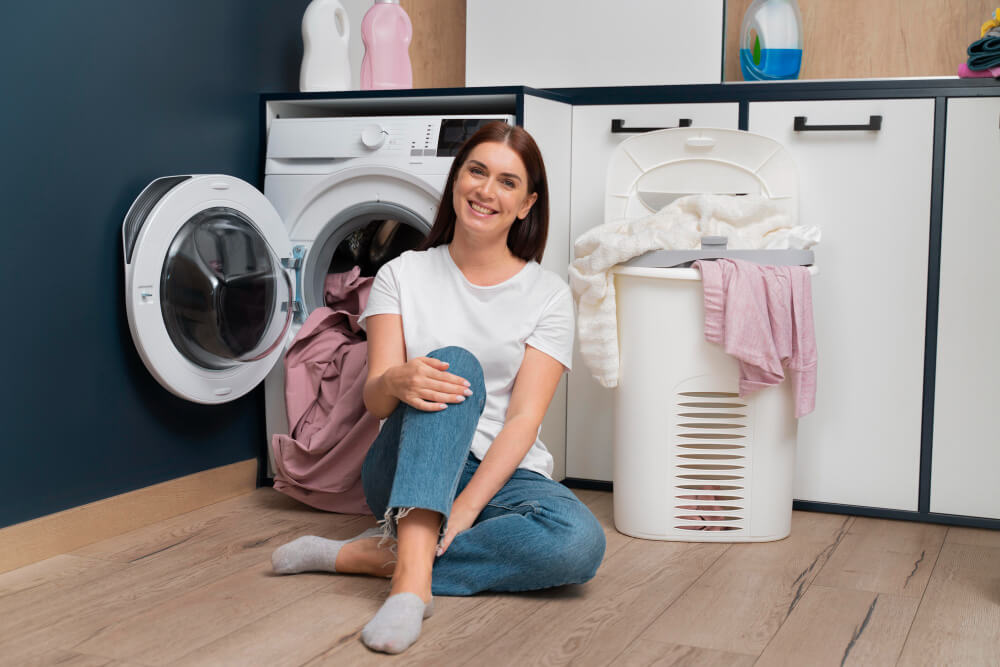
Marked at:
<point>197,590</point>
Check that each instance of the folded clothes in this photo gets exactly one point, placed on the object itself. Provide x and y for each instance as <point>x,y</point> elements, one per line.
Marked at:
<point>966,73</point>
<point>984,53</point>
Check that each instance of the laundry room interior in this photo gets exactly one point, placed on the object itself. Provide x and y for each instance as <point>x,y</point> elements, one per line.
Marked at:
<point>845,515</point>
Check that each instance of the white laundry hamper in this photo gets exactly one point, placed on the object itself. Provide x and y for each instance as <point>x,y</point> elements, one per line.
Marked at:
<point>692,460</point>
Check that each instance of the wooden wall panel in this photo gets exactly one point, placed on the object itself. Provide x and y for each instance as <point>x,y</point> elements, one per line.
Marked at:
<point>849,39</point>
<point>437,51</point>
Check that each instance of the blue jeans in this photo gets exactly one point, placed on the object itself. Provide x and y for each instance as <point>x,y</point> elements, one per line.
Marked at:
<point>533,534</point>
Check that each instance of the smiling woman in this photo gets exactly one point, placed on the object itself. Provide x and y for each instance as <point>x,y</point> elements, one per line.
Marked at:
<point>468,338</point>
<point>485,172</point>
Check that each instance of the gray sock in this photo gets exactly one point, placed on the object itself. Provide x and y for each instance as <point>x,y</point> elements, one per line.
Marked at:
<point>397,623</point>
<point>311,554</point>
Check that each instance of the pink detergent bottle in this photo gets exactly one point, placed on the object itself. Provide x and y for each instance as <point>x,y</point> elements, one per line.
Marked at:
<point>386,31</point>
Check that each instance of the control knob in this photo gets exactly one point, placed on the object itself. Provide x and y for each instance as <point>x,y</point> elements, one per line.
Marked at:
<point>373,136</point>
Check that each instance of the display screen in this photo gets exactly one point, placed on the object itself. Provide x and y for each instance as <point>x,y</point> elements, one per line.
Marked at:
<point>454,132</point>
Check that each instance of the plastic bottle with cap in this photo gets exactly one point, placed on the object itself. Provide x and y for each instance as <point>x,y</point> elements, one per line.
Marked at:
<point>386,32</point>
<point>325,34</point>
<point>771,41</point>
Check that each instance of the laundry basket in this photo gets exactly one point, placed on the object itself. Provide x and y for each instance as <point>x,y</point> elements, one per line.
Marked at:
<point>692,460</point>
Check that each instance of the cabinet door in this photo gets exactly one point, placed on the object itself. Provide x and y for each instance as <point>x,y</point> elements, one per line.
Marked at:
<point>551,123</point>
<point>589,409</point>
<point>966,457</point>
<point>568,43</point>
<point>869,192</point>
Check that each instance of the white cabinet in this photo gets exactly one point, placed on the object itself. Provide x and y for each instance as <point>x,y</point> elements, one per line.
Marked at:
<point>589,412</point>
<point>869,191</point>
<point>566,43</point>
<point>551,124</point>
<point>966,455</point>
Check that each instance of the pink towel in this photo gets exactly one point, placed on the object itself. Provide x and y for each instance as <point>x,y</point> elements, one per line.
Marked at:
<point>966,73</point>
<point>762,315</point>
<point>319,462</point>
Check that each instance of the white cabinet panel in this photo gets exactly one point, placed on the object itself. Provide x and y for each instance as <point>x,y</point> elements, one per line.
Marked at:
<point>589,410</point>
<point>870,193</point>
<point>567,43</point>
<point>551,124</point>
<point>966,458</point>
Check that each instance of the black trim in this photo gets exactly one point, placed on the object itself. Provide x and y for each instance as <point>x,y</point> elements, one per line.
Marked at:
<point>785,91</point>
<point>140,210</point>
<point>618,126</point>
<point>549,94</point>
<point>899,515</point>
<point>800,124</point>
<point>519,111</point>
<point>590,484</point>
<point>744,120</point>
<point>722,65</point>
<point>933,297</point>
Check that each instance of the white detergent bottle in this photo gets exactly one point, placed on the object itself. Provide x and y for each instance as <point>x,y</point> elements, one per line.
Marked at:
<point>325,33</point>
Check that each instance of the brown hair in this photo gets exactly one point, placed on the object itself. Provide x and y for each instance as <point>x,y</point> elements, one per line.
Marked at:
<point>526,238</point>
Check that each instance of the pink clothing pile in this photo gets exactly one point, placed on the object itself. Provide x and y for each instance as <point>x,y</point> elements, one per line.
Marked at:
<point>762,316</point>
<point>319,462</point>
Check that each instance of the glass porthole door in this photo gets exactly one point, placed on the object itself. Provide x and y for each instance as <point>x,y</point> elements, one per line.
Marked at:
<point>207,287</point>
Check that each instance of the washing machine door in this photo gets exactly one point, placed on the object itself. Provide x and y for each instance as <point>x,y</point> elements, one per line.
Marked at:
<point>207,285</point>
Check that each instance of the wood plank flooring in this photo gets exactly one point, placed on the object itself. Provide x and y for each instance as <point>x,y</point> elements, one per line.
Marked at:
<point>197,590</point>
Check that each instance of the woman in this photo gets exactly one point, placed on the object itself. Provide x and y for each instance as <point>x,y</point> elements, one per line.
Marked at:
<point>467,340</point>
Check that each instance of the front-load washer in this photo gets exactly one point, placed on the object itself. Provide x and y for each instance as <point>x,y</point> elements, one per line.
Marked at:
<point>219,277</point>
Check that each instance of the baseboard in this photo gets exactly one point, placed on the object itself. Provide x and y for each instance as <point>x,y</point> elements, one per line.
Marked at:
<point>65,531</point>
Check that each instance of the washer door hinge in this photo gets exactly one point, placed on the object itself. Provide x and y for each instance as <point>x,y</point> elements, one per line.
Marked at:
<point>295,264</point>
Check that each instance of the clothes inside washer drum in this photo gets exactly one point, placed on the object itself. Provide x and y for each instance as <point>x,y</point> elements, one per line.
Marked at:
<point>319,462</point>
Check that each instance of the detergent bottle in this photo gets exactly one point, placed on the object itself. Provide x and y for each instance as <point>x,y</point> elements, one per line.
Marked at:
<point>386,31</point>
<point>771,40</point>
<point>325,33</point>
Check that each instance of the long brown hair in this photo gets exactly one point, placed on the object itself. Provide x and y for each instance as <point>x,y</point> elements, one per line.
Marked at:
<point>526,238</point>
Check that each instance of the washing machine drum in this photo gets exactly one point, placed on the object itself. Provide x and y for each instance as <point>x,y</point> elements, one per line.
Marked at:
<point>221,290</point>
<point>374,243</point>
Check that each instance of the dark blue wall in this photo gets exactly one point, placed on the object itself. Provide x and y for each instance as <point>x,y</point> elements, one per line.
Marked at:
<point>98,99</point>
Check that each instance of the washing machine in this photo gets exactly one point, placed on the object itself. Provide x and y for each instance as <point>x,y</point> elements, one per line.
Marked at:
<point>219,276</point>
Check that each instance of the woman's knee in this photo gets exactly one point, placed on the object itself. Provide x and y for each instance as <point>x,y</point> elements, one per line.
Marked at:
<point>580,543</point>
<point>463,363</point>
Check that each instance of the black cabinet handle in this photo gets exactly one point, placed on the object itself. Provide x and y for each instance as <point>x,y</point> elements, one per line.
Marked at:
<point>618,126</point>
<point>874,124</point>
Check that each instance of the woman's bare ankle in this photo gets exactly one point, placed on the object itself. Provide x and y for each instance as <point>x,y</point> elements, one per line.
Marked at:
<point>410,580</point>
<point>366,557</point>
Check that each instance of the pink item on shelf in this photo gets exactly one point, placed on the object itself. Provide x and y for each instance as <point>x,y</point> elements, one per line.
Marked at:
<point>319,462</point>
<point>762,316</point>
<point>386,32</point>
<point>966,73</point>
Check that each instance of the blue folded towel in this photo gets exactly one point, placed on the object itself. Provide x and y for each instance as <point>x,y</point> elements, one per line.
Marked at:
<point>984,53</point>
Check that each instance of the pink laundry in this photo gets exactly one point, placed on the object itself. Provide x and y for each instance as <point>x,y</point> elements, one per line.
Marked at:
<point>762,316</point>
<point>966,73</point>
<point>319,462</point>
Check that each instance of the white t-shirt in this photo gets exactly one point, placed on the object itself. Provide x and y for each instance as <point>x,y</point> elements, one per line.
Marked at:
<point>440,307</point>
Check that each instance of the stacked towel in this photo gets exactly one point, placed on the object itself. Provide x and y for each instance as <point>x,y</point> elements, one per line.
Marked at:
<point>984,53</point>
<point>748,222</point>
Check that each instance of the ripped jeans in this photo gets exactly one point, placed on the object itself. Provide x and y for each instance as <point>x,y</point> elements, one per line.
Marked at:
<point>533,534</point>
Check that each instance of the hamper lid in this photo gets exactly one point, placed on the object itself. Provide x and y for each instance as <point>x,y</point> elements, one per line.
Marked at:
<point>650,170</point>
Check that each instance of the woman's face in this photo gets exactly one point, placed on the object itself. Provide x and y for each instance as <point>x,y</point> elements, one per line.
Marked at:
<point>491,191</point>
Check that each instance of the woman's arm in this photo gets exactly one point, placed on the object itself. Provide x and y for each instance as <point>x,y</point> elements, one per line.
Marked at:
<point>421,382</point>
<point>534,387</point>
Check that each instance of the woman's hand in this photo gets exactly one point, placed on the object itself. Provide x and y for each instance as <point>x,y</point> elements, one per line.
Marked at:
<point>461,518</point>
<point>424,383</point>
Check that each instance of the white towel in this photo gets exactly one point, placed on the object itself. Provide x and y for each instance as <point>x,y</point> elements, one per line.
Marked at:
<point>749,222</point>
